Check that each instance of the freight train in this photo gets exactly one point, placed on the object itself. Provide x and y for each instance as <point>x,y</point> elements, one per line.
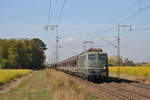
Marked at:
<point>91,64</point>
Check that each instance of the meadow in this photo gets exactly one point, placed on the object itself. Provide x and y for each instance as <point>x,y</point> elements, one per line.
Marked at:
<point>7,75</point>
<point>143,71</point>
<point>48,84</point>
<point>65,89</point>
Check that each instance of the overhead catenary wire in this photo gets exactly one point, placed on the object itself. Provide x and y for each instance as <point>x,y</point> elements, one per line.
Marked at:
<point>139,1</point>
<point>140,28</point>
<point>140,10</point>
<point>135,14</point>
<point>49,12</point>
<point>118,40</point>
<point>61,12</point>
<point>57,23</point>
<point>54,26</point>
<point>143,27</point>
<point>126,19</point>
<point>120,15</point>
<point>110,26</point>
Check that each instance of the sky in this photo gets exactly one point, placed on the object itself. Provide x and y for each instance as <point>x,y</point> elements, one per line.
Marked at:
<point>82,20</point>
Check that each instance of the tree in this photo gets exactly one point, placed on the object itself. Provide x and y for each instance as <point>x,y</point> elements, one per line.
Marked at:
<point>39,43</point>
<point>22,53</point>
<point>4,63</point>
<point>113,61</point>
<point>128,62</point>
<point>38,52</point>
<point>147,64</point>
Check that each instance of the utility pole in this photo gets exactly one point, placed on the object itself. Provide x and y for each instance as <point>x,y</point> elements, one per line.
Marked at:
<point>118,45</point>
<point>57,46</point>
<point>55,27</point>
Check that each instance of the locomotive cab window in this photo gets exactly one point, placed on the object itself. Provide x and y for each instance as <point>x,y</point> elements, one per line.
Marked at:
<point>92,57</point>
<point>102,57</point>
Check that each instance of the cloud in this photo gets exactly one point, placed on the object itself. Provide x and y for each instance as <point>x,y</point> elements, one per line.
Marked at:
<point>70,40</point>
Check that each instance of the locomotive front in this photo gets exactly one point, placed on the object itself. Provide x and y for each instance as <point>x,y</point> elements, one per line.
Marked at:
<point>96,64</point>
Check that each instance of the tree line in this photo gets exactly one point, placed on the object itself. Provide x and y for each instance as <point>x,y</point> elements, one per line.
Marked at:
<point>113,61</point>
<point>22,54</point>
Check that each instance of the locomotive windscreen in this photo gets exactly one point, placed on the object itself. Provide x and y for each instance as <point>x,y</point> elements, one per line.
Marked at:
<point>97,60</point>
<point>92,57</point>
<point>103,59</point>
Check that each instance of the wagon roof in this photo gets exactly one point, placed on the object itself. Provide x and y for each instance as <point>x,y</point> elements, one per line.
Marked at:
<point>76,57</point>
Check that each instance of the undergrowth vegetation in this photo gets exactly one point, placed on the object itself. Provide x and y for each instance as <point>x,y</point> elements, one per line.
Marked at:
<point>9,74</point>
<point>65,89</point>
<point>143,71</point>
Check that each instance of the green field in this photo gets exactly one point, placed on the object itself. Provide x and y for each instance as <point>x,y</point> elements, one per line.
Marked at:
<point>32,88</point>
<point>142,71</point>
<point>10,74</point>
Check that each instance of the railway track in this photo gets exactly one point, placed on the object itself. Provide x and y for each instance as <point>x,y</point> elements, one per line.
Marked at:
<point>133,92</point>
<point>146,86</point>
<point>119,90</point>
<point>137,87</point>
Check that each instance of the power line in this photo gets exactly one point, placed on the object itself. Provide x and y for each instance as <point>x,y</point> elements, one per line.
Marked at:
<point>61,12</point>
<point>49,12</point>
<point>139,1</point>
<point>129,17</point>
<point>135,14</point>
<point>120,15</point>
<point>57,37</point>
<point>114,19</point>
<point>55,27</point>
<point>143,29</point>
<point>48,22</point>
<point>126,19</point>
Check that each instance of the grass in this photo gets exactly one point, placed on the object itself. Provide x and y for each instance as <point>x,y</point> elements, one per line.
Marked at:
<point>10,74</point>
<point>65,89</point>
<point>143,71</point>
<point>48,85</point>
<point>33,88</point>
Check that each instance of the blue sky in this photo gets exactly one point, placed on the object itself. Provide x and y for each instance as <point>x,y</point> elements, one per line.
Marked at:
<point>80,21</point>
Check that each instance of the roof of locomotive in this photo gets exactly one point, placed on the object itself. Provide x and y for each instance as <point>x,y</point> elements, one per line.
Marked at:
<point>92,50</point>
